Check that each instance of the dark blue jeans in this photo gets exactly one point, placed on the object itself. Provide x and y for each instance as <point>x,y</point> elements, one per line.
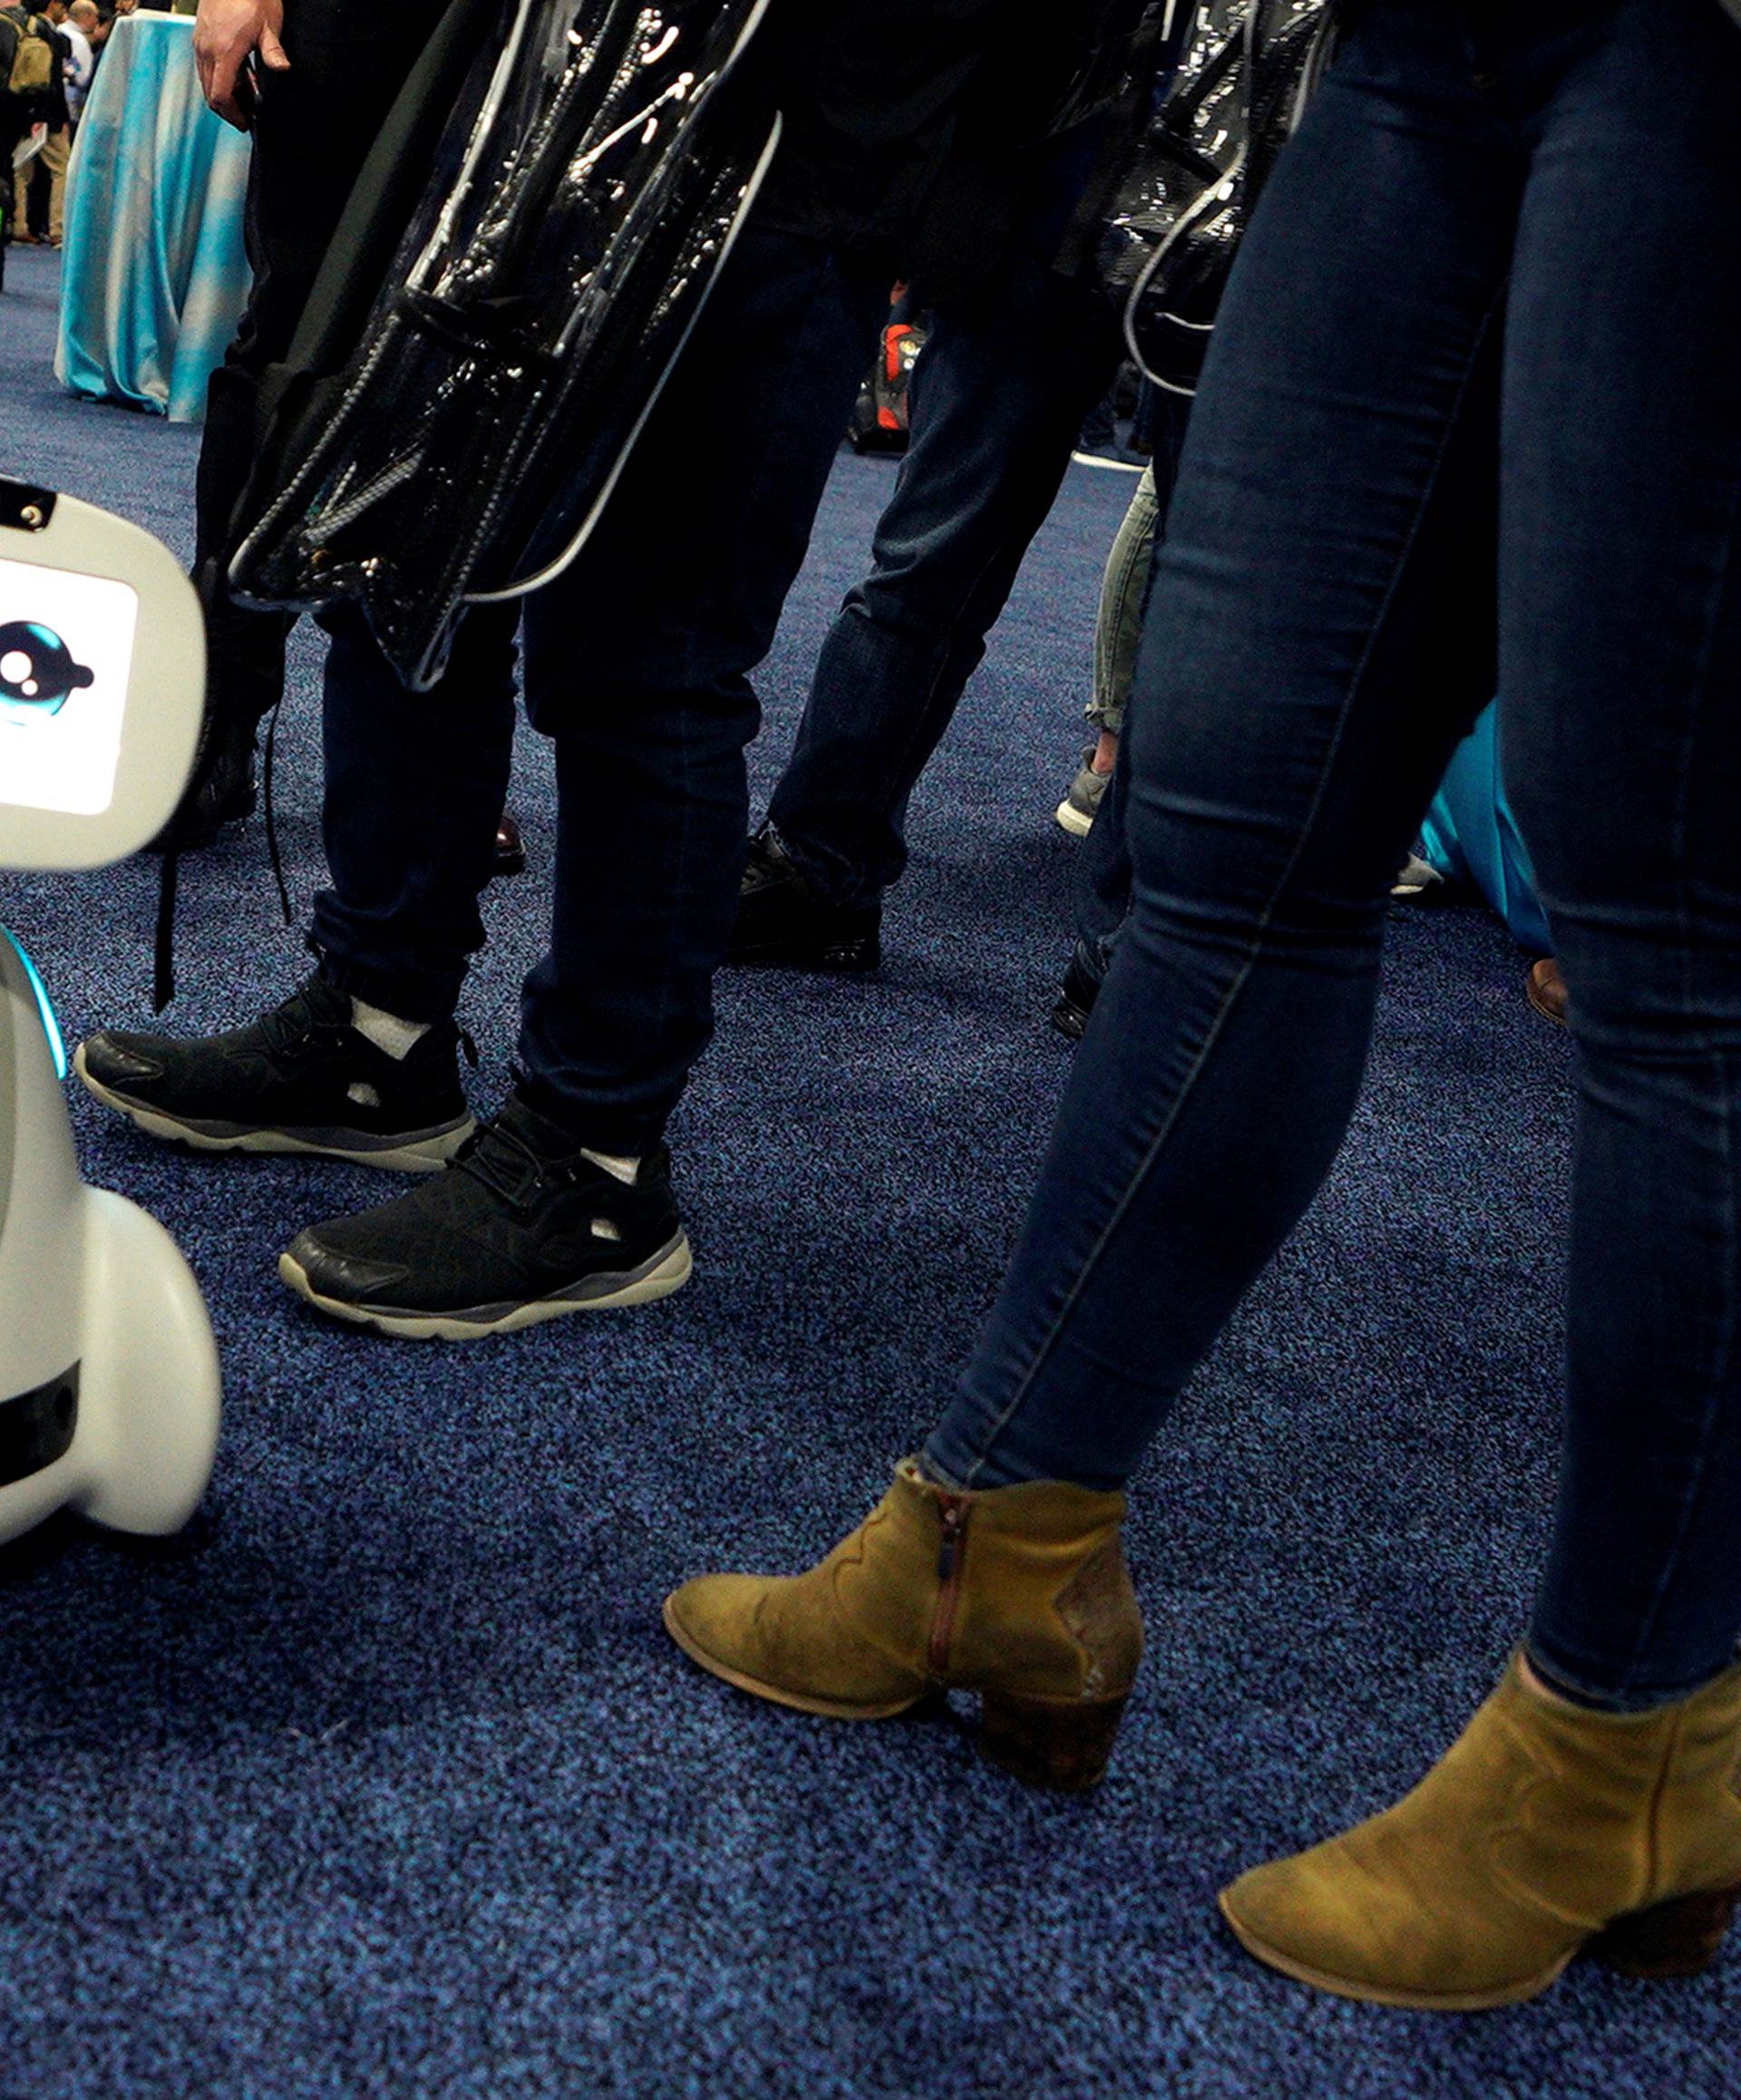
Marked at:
<point>638,664</point>
<point>999,393</point>
<point>1486,324</point>
<point>1100,880</point>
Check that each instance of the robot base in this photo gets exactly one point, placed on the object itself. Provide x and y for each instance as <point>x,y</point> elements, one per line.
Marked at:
<point>138,1407</point>
<point>109,1380</point>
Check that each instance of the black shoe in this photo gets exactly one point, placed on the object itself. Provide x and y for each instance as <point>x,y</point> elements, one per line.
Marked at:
<point>522,1227</point>
<point>511,848</point>
<point>781,920</point>
<point>1075,997</point>
<point>223,790</point>
<point>300,1079</point>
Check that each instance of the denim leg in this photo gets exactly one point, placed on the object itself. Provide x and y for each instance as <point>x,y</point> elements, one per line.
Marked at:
<point>1100,887</point>
<point>1319,637</point>
<point>1000,391</point>
<point>638,662</point>
<point>1100,875</point>
<point>1620,659</point>
<point>1123,594</point>
<point>415,787</point>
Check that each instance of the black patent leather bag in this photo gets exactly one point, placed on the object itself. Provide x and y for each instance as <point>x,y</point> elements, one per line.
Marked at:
<point>588,186</point>
<point>1183,198</point>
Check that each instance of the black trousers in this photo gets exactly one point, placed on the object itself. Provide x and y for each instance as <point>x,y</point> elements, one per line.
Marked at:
<point>315,125</point>
<point>637,666</point>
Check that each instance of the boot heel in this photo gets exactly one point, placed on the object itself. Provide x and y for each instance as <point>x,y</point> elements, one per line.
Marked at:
<point>1058,1743</point>
<point>1678,1938</point>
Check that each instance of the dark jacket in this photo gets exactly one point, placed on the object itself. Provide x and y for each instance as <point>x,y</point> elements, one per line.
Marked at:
<point>875,100</point>
<point>907,120</point>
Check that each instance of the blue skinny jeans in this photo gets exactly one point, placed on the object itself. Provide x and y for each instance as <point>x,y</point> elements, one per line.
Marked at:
<point>1484,326</point>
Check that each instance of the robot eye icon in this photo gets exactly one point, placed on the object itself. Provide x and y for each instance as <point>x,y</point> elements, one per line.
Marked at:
<point>37,672</point>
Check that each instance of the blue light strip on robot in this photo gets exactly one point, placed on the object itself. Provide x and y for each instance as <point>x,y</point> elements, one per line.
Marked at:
<point>51,1026</point>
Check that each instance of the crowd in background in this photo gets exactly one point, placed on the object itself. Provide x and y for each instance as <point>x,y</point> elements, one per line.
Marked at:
<point>39,117</point>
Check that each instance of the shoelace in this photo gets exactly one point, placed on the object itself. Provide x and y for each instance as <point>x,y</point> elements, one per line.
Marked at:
<point>270,811</point>
<point>293,1022</point>
<point>163,939</point>
<point>487,1155</point>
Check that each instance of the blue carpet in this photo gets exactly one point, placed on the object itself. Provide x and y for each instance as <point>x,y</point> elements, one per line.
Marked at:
<point>383,1780</point>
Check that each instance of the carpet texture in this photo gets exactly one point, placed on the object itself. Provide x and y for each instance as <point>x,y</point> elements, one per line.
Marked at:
<point>383,1779</point>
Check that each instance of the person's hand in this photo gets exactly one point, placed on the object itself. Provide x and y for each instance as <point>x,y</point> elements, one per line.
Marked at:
<point>228,34</point>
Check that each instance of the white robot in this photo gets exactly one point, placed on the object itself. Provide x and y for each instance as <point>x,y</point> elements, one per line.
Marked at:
<point>109,1383</point>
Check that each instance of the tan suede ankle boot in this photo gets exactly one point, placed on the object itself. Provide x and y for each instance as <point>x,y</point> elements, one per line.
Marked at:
<point>1020,1594</point>
<point>1548,1829</point>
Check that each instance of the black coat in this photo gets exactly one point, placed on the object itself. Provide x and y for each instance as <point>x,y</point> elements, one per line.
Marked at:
<point>873,129</point>
<point>907,120</point>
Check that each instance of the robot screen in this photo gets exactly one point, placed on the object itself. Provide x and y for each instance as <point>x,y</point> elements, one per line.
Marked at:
<point>66,648</point>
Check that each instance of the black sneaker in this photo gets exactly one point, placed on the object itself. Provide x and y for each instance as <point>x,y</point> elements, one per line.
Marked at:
<point>1074,998</point>
<point>521,1228</point>
<point>781,920</point>
<point>511,848</point>
<point>300,1079</point>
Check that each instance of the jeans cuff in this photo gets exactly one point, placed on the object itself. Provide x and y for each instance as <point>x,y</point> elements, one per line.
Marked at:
<point>629,1133</point>
<point>1581,1691</point>
<point>408,996</point>
<point>933,1469</point>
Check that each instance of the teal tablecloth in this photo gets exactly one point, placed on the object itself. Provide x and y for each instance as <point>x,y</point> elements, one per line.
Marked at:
<point>155,275</point>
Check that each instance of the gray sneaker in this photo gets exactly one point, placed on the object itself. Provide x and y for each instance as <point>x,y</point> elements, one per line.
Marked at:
<point>1416,878</point>
<point>1075,813</point>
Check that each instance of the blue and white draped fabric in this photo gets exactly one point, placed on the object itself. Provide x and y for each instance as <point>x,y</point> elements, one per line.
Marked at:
<point>1471,835</point>
<point>155,276</point>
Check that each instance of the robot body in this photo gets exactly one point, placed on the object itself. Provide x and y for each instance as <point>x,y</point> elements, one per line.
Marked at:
<point>109,1377</point>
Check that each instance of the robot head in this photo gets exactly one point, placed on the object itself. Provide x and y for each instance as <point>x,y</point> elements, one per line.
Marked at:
<point>37,674</point>
<point>102,681</point>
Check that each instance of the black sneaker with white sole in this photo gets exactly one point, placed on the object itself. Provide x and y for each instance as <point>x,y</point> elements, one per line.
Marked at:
<point>300,1079</point>
<point>522,1227</point>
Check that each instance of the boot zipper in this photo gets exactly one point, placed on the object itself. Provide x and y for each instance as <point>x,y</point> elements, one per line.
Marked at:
<point>948,1574</point>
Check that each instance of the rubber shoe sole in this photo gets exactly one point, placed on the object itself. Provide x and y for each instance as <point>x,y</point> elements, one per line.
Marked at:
<point>1377,1994</point>
<point>1115,466</point>
<point>669,1269</point>
<point>854,957</point>
<point>1073,820</point>
<point>413,1152</point>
